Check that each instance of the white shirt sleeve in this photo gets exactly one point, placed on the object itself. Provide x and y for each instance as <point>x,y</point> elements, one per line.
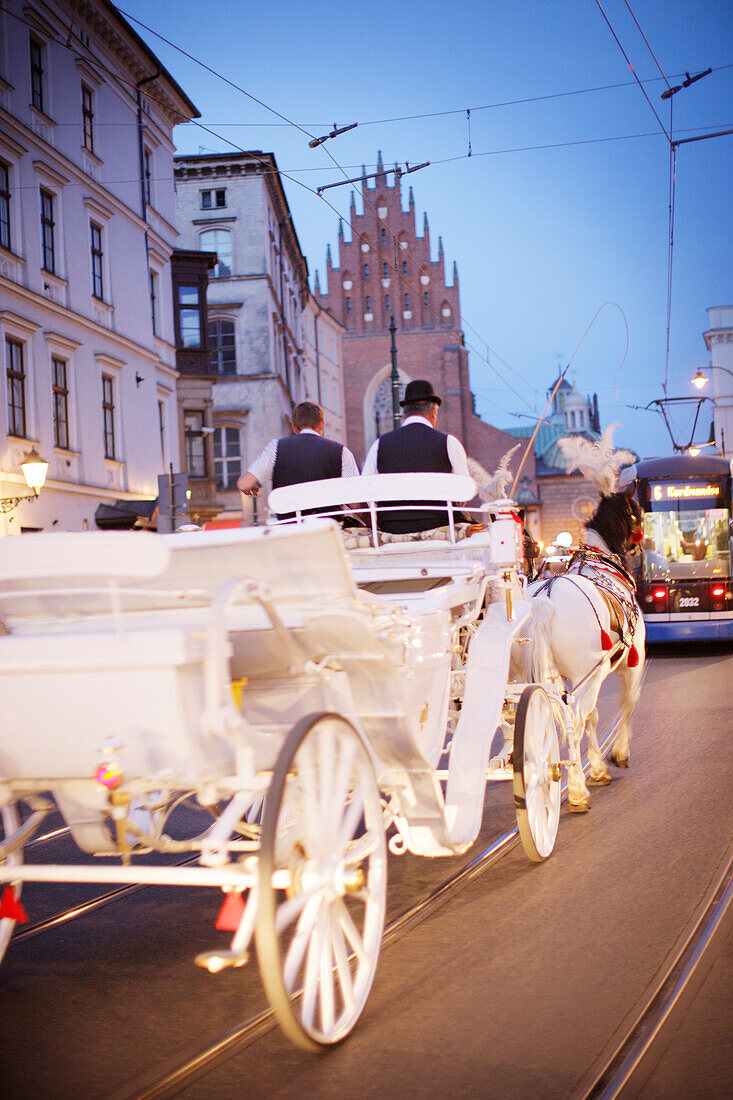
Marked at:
<point>457,456</point>
<point>264,464</point>
<point>370,463</point>
<point>348,464</point>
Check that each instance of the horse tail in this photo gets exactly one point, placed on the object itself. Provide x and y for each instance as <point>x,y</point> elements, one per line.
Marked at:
<point>538,654</point>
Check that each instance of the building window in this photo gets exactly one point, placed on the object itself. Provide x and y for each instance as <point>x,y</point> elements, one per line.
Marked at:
<point>385,271</point>
<point>97,260</point>
<point>425,299</point>
<point>47,232</point>
<point>4,205</point>
<point>407,302</point>
<point>36,74</point>
<point>348,305</point>
<point>154,301</point>
<point>60,403</point>
<point>193,424</point>
<point>189,316</point>
<point>87,117</point>
<point>219,241</point>
<point>384,237</point>
<point>223,351</point>
<point>211,200</point>
<point>108,415</point>
<point>404,269</point>
<point>366,271</point>
<point>147,174</point>
<point>368,304</point>
<point>386,303</point>
<point>16,387</point>
<point>227,457</point>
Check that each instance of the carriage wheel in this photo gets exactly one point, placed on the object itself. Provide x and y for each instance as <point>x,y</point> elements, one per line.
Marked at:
<point>10,821</point>
<point>322,882</point>
<point>536,773</point>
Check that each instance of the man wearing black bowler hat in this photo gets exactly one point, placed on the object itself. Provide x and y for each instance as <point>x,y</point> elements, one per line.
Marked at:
<point>416,447</point>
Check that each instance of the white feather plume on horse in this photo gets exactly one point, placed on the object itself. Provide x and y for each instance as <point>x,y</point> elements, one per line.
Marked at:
<point>492,486</point>
<point>598,462</point>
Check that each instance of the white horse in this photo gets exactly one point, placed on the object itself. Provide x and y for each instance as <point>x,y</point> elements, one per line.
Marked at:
<point>576,627</point>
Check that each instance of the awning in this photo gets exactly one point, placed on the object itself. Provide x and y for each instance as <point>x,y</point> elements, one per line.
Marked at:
<point>123,515</point>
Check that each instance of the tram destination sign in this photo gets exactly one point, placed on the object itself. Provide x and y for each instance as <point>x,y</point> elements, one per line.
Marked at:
<point>683,491</point>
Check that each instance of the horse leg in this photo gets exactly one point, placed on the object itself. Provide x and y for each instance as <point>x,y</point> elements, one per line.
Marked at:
<point>630,692</point>
<point>578,795</point>
<point>599,773</point>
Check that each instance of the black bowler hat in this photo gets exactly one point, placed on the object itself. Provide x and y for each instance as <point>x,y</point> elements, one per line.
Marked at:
<point>419,390</point>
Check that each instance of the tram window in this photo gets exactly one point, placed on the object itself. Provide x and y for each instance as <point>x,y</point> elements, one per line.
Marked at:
<point>689,543</point>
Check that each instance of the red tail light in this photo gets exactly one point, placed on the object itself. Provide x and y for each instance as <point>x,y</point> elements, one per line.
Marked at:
<point>720,597</point>
<point>655,599</point>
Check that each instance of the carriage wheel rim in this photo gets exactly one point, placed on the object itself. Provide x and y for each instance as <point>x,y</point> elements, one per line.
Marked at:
<point>318,942</point>
<point>537,796</point>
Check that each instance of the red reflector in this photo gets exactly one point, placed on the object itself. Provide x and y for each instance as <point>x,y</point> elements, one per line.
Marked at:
<point>718,592</point>
<point>659,593</point>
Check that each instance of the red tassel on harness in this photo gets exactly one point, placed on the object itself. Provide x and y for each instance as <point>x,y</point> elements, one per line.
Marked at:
<point>231,911</point>
<point>633,658</point>
<point>12,907</point>
<point>606,642</point>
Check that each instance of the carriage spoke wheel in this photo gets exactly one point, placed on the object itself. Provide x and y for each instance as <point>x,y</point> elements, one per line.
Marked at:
<point>9,822</point>
<point>536,773</point>
<point>322,882</point>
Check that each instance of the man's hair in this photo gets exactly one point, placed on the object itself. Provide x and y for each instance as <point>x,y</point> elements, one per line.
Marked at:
<point>418,408</point>
<point>307,415</point>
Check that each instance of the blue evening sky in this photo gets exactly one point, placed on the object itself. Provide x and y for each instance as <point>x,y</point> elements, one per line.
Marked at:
<point>564,203</point>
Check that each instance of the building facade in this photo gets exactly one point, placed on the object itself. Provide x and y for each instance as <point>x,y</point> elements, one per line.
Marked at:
<point>271,346</point>
<point>719,342</point>
<point>387,271</point>
<point>86,232</point>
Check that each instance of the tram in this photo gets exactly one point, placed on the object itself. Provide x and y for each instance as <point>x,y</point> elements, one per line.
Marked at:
<point>685,588</point>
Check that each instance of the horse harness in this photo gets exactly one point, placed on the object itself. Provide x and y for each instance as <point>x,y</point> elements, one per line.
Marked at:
<point>616,587</point>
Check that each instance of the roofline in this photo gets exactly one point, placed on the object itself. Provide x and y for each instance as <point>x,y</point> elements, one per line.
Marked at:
<point>115,14</point>
<point>265,159</point>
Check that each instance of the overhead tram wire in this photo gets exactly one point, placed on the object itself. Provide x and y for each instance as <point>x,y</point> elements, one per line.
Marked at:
<point>310,136</point>
<point>628,62</point>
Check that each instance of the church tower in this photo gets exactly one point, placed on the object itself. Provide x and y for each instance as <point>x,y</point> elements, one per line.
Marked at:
<point>386,270</point>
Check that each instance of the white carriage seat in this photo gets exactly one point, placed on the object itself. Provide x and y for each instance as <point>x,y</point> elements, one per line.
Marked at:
<point>353,493</point>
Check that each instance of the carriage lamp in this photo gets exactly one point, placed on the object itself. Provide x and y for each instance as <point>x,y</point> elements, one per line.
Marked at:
<point>34,470</point>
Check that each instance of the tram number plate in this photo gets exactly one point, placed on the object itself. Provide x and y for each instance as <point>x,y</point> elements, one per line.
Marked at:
<point>689,601</point>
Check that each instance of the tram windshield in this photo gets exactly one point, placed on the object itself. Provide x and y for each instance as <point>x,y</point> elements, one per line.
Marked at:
<point>686,542</point>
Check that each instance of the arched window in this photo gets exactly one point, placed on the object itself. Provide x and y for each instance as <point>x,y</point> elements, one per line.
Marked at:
<point>385,271</point>
<point>219,241</point>
<point>366,271</point>
<point>404,269</point>
<point>407,302</point>
<point>368,304</point>
<point>227,456</point>
<point>384,236</point>
<point>223,350</point>
<point>386,303</point>
<point>348,305</point>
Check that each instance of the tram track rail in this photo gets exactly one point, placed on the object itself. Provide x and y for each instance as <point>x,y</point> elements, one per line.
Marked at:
<point>632,1055</point>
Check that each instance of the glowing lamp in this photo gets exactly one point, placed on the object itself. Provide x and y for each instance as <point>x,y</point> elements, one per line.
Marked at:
<point>564,538</point>
<point>34,470</point>
<point>699,380</point>
<point>659,593</point>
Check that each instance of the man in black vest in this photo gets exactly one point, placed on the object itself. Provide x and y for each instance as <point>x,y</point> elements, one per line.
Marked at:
<point>303,456</point>
<point>416,447</point>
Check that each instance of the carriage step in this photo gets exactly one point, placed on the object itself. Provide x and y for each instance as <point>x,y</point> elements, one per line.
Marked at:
<point>214,961</point>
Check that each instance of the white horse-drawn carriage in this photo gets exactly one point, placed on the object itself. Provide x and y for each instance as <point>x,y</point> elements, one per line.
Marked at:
<point>309,698</point>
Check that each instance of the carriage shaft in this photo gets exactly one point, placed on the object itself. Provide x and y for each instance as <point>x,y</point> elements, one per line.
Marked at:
<point>230,877</point>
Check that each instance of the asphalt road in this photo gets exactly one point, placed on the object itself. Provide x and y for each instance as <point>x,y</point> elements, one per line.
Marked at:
<point>513,989</point>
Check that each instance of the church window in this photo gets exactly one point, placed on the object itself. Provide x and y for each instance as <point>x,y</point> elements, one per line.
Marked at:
<point>385,271</point>
<point>366,271</point>
<point>384,236</point>
<point>348,305</point>
<point>425,299</point>
<point>572,419</point>
<point>407,301</point>
<point>386,302</point>
<point>404,269</point>
<point>368,304</point>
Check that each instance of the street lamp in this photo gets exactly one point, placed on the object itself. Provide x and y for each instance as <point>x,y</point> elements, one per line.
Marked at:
<point>34,470</point>
<point>700,380</point>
